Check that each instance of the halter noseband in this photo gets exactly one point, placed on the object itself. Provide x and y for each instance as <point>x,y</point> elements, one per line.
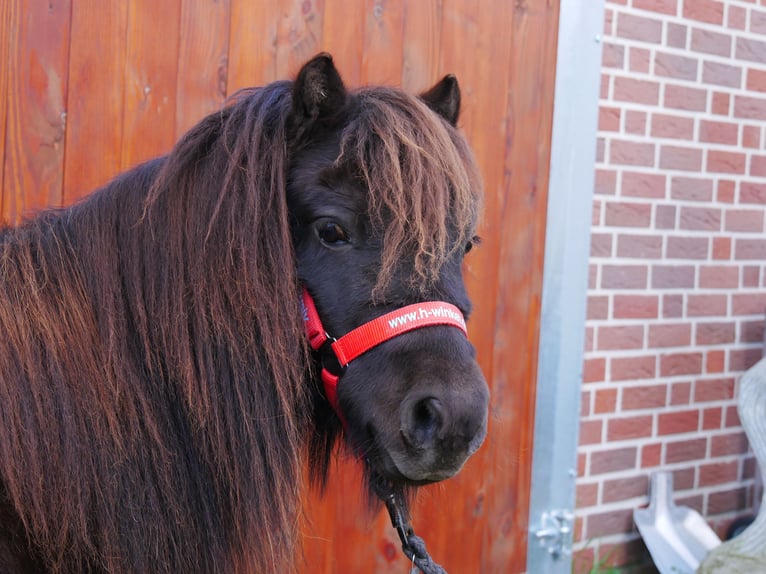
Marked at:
<point>371,334</point>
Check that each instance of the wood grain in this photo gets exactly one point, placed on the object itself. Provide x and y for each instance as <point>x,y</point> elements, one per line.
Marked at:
<point>36,112</point>
<point>94,128</point>
<point>9,26</point>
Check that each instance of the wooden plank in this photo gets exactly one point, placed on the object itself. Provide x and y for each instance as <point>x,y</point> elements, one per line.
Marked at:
<point>299,35</point>
<point>343,37</point>
<point>36,113</point>
<point>202,60</point>
<point>151,70</point>
<point>421,44</point>
<point>9,25</point>
<point>95,99</point>
<point>252,44</point>
<point>383,46</point>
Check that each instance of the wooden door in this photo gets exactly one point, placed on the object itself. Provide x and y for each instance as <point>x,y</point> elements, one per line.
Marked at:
<point>88,88</point>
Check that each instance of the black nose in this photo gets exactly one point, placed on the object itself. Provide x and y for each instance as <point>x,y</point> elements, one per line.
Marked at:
<point>422,422</point>
<point>449,427</point>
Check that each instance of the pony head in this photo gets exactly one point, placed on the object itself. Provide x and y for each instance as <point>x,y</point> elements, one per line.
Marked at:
<point>383,197</point>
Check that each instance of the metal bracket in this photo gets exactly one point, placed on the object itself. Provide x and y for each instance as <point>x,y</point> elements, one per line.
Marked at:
<point>555,532</point>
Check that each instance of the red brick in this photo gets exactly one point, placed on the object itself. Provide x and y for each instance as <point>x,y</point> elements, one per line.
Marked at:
<point>609,119</point>
<point>750,49</point>
<point>748,303</point>
<point>625,214</point>
<point>626,428</point>
<point>612,55</point>
<point>748,468</point>
<point>736,17</point>
<point>635,307</point>
<point>646,185</point>
<point>632,368</point>
<point>624,276</point>
<point>743,359</point>
<point>623,152</point>
<point>680,393</point>
<point>637,91</point>
<point>681,158</point>
<point>691,188</point>
<point>605,83</point>
<point>715,361</point>
<point>672,126</point>
<point>612,460</point>
<point>721,248</point>
<point>758,21</point>
<point>714,390</point>
<point>719,74</point>
<point>751,331</point>
<point>715,333</point>
<point>669,335</point>
<point>584,558</point>
<point>644,397</point>
<point>675,66</point>
<point>732,417</point>
<point>620,337</point>
<point>635,122</point>
<point>672,276</point>
<point>700,219</point>
<point>711,418</point>
<point>728,444</point>
<point>675,364</point>
<point>710,42</point>
<point>745,220</point>
<point>639,246</point>
<point>751,192</point>
<point>721,104</point>
<point>749,108</point>
<point>639,60</point>
<point>598,307</point>
<point>681,247</point>
<point>663,6</point>
<point>751,137</point>
<point>606,182</point>
<point>726,161</point>
<point>584,404</point>
<point>731,500</point>
<point>751,276</point>
<point>709,11</point>
<point>676,37</point>
<point>601,244</point>
<point>718,132</point>
<point>719,277</point>
<point>673,306</point>
<point>590,432</point>
<point>756,80</point>
<point>586,495</point>
<point>651,455</point>
<point>725,191</point>
<point>702,305</point>
<point>639,28</point>
<point>600,150</point>
<point>605,401</point>
<point>685,450</point>
<point>624,488</point>
<point>685,98</point>
<point>683,478</point>
<point>665,216</point>
<point>594,370</point>
<point>609,523</point>
<point>749,248</point>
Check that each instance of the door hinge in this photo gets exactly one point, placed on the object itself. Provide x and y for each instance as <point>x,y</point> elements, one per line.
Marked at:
<point>555,532</point>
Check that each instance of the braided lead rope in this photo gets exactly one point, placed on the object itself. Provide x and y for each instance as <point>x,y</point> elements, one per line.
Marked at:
<point>413,546</point>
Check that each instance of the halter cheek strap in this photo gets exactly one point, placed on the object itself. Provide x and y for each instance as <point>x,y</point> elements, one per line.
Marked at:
<point>371,334</point>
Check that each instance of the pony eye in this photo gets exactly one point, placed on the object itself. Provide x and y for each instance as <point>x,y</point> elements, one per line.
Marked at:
<point>330,233</point>
<point>475,240</point>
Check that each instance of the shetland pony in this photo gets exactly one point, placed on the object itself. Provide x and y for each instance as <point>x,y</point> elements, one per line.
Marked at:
<point>158,396</point>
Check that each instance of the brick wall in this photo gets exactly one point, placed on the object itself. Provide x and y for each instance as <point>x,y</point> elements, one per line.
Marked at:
<point>677,272</point>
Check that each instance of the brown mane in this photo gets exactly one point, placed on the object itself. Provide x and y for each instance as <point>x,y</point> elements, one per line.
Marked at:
<point>150,379</point>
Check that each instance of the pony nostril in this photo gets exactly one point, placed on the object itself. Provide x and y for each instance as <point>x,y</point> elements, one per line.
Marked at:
<point>422,422</point>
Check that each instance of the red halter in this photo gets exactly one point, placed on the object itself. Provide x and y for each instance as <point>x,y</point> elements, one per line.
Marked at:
<point>373,333</point>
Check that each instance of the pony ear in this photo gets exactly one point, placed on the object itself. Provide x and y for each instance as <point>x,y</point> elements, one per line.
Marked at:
<point>444,98</point>
<point>318,90</point>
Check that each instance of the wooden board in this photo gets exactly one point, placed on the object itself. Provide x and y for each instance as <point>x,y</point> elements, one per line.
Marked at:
<point>129,78</point>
